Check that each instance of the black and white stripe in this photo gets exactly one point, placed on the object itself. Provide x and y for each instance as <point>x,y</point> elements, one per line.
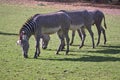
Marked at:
<point>29,27</point>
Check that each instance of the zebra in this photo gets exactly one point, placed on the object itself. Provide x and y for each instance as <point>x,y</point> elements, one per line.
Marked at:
<point>94,17</point>
<point>97,17</point>
<point>79,20</point>
<point>41,24</point>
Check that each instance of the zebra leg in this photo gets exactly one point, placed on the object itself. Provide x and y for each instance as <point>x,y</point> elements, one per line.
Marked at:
<point>25,55</point>
<point>73,35</point>
<point>25,49</point>
<point>99,34</point>
<point>37,52</point>
<point>67,41</point>
<point>104,34</point>
<point>62,44</point>
<point>92,35</point>
<point>79,33</point>
<point>82,32</point>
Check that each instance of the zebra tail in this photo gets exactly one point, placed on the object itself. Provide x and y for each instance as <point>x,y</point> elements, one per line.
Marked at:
<point>105,23</point>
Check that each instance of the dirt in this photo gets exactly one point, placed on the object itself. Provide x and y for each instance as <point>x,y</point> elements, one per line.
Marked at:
<point>106,8</point>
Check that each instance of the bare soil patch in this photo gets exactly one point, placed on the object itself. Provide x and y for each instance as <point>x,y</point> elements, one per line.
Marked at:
<point>106,8</point>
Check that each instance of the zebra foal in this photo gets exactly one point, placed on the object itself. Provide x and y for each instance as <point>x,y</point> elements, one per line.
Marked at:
<point>41,24</point>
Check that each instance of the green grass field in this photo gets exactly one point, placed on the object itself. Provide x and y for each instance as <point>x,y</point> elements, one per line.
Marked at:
<point>101,63</point>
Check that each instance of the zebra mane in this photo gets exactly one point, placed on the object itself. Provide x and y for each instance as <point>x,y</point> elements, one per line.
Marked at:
<point>27,21</point>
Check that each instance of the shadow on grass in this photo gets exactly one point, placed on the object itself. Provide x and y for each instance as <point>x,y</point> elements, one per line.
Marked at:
<point>5,33</point>
<point>63,50</point>
<point>111,46</point>
<point>75,45</point>
<point>85,59</point>
<point>106,51</point>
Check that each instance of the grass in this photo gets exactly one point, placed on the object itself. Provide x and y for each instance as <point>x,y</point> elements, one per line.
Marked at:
<point>101,63</point>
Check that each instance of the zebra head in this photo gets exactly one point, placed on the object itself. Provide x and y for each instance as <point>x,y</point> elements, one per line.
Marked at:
<point>45,41</point>
<point>23,42</point>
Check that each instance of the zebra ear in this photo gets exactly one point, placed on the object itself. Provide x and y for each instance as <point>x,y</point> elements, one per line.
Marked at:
<point>19,42</point>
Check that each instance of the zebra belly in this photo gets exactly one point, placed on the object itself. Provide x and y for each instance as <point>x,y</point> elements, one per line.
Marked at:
<point>75,27</point>
<point>50,30</point>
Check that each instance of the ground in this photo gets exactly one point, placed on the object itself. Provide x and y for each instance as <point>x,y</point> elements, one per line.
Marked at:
<point>106,8</point>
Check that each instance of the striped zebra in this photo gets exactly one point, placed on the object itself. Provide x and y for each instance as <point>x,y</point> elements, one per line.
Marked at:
<point>41,24</point>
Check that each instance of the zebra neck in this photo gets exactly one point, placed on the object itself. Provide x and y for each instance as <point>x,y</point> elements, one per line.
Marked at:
<point>28,36</point>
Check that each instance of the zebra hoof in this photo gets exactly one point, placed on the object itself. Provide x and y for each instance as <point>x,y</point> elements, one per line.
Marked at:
<point>35,57</point>
<point>44,47</point>
<point>71,43</point>
<point>25,56</point>
<point>57,53</point>
<point>93,47</point>
<point>80,46</point>
<point>67,52</point>
<point>105,42</point>
<point>97,44</point>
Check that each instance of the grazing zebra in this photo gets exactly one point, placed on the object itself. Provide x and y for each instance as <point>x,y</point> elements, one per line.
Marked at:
<point>41,24</point>
<point>97,17</point>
